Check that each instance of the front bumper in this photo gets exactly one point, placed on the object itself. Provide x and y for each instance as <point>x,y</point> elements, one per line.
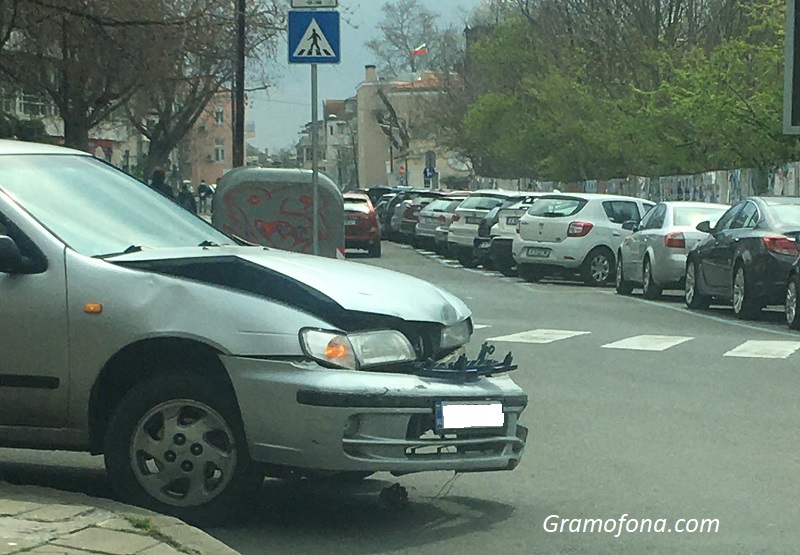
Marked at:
<point>297,414</point>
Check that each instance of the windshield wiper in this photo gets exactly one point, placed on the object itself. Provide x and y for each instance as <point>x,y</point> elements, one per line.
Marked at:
<point>208,244</point>
<point>129,250</point>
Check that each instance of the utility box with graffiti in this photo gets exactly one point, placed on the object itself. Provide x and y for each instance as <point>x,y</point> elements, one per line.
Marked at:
<point>274,207</point>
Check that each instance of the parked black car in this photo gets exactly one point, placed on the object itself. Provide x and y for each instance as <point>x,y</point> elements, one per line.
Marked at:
<point>747,256</point>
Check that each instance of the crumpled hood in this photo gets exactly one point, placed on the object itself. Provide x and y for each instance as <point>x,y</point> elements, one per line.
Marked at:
<point>353,286</point>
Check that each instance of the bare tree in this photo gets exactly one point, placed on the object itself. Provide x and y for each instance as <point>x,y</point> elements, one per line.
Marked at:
<point>407,25</point>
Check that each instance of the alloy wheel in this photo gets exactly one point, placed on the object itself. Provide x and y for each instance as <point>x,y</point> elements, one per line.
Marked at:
<point>738,290</point>
<point>689,289</point>
<point>183,453</point>
<point>791,302</point>
<point>600,268</point>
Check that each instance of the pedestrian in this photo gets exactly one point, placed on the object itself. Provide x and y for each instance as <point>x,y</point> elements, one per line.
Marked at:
<point>159,183</point>
<point>186,199</point>
<point>204,191</point>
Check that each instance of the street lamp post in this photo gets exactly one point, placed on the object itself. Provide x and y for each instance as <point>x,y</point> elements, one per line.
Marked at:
<point>238,96</point>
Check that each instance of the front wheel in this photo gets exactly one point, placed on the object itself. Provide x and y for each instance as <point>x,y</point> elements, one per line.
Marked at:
<point>694,299</point>
<point>623,286</point>
<point>176,445</point>
<point>792,307</point>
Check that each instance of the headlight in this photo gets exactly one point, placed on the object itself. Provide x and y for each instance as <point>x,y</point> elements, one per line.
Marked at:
<point>357,350</point>
<point>455,336</point>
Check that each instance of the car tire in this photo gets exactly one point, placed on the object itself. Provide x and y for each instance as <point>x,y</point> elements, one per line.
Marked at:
<point>508,270</point>
<point>374,250</point>
<point>489,264</point>
<point>691,293</point>
<point>529,272</point>
<point>792,302</point>
<point>623,286</point>
<point>188,427</point>
<point>467,260</point>
<point>746,305</point>
<point>598,267</point>
<point>650,290</point>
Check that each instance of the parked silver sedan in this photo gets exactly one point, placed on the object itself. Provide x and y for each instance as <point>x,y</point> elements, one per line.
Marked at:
<point>654,257</point>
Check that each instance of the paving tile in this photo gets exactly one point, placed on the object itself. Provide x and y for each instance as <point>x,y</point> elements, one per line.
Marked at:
<point>56,550</point>
<point>115,523</point>
<point>56,513</point>
<point>8,546</point>
<point>11,507</point>
<point>112,542</point>
<point>188,537</point>
<point>13,529</point>
<point>160,549</point>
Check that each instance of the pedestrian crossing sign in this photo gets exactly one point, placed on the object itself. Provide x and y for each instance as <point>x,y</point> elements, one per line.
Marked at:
<point>314,37</point>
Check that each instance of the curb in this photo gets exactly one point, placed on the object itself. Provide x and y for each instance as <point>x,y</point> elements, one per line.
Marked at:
<point>36,520</point>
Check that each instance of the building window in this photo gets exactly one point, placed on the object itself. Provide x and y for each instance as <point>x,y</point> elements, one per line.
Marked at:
<point>8,102</point>
<point>219,116</point>
<point>34,105</point>
<point>219,153</point>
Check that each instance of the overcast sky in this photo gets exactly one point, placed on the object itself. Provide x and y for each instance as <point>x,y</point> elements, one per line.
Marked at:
<point>280,113</point>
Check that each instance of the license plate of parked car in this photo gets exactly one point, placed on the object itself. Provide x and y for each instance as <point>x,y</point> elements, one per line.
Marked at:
<point>472,220</point>
<point>538,253</point>
<point>460,416</point>
<point>513,220</point>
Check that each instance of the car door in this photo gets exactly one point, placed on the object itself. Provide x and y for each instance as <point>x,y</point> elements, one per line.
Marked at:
<point>731,243</point>
<point>34,366</point>
<point>648,236</point>
<point>717,250</point>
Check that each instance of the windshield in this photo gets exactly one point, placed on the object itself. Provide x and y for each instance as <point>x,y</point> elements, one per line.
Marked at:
<point>685,216</point>
<point>788,215</point>
<point>356,205</point>
<point>97,210</point>
<point>481,203</point>
<point>556,207</point>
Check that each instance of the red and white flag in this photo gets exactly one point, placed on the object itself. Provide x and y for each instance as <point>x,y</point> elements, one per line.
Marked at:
<point>420,50</point>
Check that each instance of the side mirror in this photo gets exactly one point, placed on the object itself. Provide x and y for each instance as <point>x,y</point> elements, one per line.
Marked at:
<point>704,226</point>
<point>631,225</point>
<point>11,260</point>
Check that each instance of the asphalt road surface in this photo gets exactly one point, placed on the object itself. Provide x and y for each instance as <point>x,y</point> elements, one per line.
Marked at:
<point>639,411</point>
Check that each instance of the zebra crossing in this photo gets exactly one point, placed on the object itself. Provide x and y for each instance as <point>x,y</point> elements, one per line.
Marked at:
<point>650,343</point>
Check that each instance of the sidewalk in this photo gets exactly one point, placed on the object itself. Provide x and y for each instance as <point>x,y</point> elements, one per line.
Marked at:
<point>40,521</point>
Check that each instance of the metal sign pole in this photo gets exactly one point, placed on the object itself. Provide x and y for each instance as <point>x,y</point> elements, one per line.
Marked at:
<point>314,159</point>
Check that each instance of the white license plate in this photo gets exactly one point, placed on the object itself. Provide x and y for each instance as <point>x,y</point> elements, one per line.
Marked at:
<point>471,220</point>
<point>513,220</point>
<point>454,415</point>
<point>538,253</point>
<point>349,221</point>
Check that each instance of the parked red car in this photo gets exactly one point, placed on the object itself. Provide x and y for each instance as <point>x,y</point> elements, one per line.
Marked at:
<point>362,230</point>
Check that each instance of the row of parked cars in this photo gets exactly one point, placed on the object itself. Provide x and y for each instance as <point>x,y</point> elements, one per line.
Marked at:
<point>745,255</point>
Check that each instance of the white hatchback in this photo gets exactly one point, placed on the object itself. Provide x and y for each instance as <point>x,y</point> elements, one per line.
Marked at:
<point>464,225</point>
<point>574,232</point>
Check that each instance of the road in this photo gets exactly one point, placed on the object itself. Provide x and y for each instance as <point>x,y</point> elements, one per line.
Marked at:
<point>636,408</point>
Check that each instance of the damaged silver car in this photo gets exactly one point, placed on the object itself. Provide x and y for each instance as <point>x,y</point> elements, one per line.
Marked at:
<point>197,364</point>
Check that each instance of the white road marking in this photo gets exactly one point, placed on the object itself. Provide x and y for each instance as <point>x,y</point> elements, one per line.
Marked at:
<point>481,326</point>
<point>539,336</point>
<point>765,349</point>
<point>648,343</point>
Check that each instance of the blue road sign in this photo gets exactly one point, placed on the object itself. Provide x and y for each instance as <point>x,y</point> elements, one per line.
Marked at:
<point>314,37</point>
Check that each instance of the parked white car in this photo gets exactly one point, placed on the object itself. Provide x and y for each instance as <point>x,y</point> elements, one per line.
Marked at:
<point>464,226</point>
<point>655,255</point>
<point>432,218</point>
<point>575,233</point>
<point>502,233</point>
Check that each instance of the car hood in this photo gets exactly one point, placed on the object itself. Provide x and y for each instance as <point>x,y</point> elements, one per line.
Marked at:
<point>312,283</point>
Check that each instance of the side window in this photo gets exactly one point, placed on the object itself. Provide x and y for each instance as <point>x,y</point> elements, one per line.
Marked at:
<point>621,211</point>
<point>747,218</point>
<point>655,218</point>
<point>726,219</point>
